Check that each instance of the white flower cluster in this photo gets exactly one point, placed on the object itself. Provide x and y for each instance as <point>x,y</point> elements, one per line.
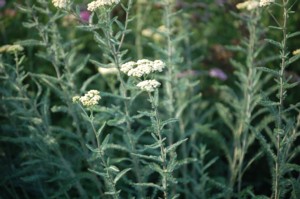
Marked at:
<point>249,5</point>
<point>94,5</point>
<point>142,67</point>
<point>296,52</point>
<point>91,98</point>
<point>11,48</point>
<point>264,3</point>
<point>148,85</point>
<point>60,3</point>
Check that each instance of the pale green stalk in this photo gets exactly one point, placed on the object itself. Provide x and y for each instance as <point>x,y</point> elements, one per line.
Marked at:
<point>241,135</point>
<point>108,178</point>
<point>163,153</point>
<point>281,94</point>
<point>115,51</point>
<point>170,83</point>
<point>139,26</point>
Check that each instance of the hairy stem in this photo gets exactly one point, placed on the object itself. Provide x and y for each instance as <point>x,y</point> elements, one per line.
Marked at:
<point>115,51</point>
<point>281,94</point>
<point>163,153</point>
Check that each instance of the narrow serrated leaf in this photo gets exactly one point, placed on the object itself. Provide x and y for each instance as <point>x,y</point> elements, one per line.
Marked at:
<point>100,129</point>
<point>294,34</point>
<point>112,193</point>
<point>113,168</point>
<point>275,27</point>
<point>148,157</point>
<point>169,121</point>
<point>105,141</point>
<point>97,173</point>
<point>120,175</point>
<point>149,185</point>
<point>292,85</point>
<point>30,42</point>
<point>175,145</point>
<point>269,103</point>
<point>275,43</point>
<point>292,167</point>
<point>293,59</point>
<point>176,196</point>
<point>268,70</point>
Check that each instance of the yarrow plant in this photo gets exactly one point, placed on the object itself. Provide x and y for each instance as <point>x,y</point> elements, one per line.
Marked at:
<point>11,48</point>
<point>264,3</point>
<point>148,85</point>
<point>94,5</point>
<point>296,52</point>
<point>60,3</point>
<point>142,67</point>
<point>249,5</point>
<point>160,127</point>
<point>91,98</point>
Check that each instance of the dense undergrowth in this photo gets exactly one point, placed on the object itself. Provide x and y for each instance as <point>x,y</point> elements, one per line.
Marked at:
<point>149,99</point>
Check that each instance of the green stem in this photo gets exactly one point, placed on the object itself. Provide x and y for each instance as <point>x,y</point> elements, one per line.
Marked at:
<point>123,91</point>
<point>163,153</point>
<point>277,191</point>
<point>139,26</point>
<point>170,69</point>
<point>109,177</point>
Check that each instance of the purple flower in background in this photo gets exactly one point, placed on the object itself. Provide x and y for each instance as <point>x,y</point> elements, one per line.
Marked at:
<point>2,3</point>
<point>217,73</point>
<point>84,15</point>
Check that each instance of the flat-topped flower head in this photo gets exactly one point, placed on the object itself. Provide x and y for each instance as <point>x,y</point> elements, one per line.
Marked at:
<point>249,5</point>
<point>11,48</point>
<point>264,3</point>
<point>60,3</point>
<point>296,52</point>
<point>142,67</point>
<point>148,85</point>
<point>91,98</point>
<point>94,5</point>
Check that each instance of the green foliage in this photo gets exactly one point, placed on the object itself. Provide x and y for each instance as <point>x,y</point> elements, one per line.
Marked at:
<point>202,133</point>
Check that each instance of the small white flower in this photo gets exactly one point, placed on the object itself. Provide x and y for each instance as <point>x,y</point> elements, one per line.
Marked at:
<point>127,66</point>
<point>264,3</point>
<point>76,99</point>
<point>60,3</point>
<point>142,62</point>
<point>158,65</point>
<point>148,85</point>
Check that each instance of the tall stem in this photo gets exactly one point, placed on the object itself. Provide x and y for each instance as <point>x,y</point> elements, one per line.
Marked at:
<point>240,137</point>
<point>163,153</point>
<point>170,64</point>
<point>109,177</point>
<point>281,99</point>
<point>115,51</point>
